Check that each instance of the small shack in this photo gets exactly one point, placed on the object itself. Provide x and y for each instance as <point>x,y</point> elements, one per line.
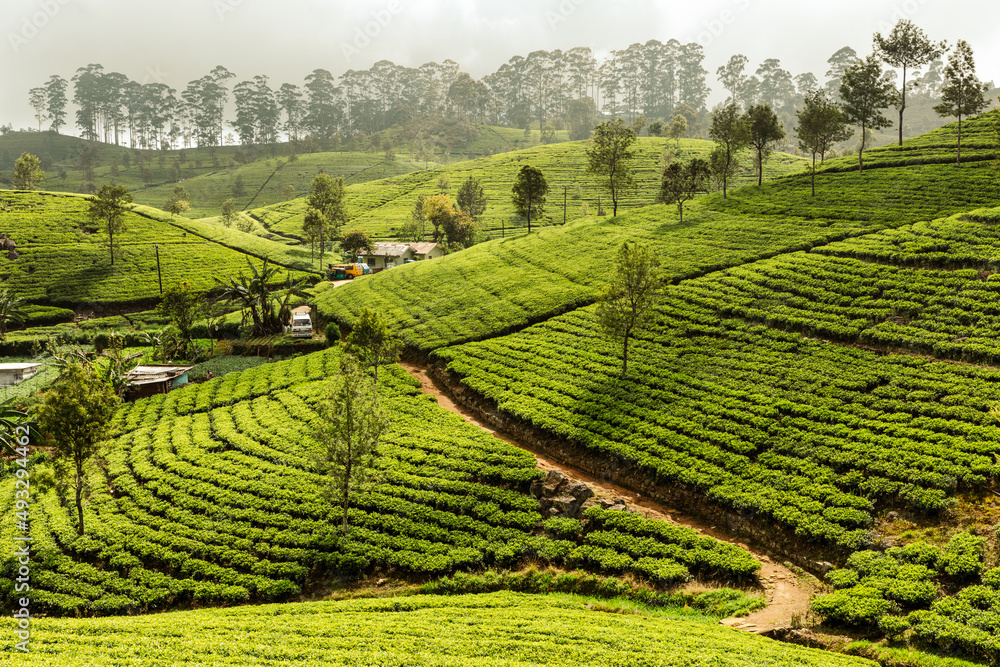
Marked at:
<point>388,255</point>
<point>11,374</point>
<point>426,250</point>
<point>146,381</point>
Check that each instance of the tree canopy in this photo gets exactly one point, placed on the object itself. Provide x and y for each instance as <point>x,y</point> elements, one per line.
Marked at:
<point>731,133</point>
<point>821,125</point>
<point>680,182</point>
<point>350,427</point>
<point>73,417</point>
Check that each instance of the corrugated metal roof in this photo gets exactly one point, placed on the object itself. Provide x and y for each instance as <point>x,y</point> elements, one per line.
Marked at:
<point>423,248</point>
<point>390,249</point>
<point>147,374</point>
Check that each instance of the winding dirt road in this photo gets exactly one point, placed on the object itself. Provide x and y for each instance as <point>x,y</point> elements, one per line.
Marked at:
<point>788,595</point>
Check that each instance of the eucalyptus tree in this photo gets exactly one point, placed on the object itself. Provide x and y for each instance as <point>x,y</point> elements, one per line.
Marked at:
<point>907,46</point>
<point>866,93</point>
<point>962,94</point>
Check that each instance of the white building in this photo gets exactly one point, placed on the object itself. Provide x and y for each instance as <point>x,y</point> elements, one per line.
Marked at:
<point>11,374</point>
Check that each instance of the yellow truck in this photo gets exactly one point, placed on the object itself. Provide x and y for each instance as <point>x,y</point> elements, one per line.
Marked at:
<point>348,271</point>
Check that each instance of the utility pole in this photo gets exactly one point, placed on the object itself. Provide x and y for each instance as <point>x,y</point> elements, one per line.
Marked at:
<point>565,189</point>
<point>159,275</point>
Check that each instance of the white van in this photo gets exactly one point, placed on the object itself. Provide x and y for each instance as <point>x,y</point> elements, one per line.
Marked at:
<point>302,326</point>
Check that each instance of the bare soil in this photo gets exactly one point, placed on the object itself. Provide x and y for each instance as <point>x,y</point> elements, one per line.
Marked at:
<point>787,593</point>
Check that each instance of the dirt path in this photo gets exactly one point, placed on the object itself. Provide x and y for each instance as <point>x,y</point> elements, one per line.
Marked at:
<point>787,594</point>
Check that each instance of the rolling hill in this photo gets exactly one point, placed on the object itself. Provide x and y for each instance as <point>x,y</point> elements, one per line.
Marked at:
<point>64,259</point>
<point>209,495</point>
<point>495,287</point>
<point>809,398</point>
<point>380,207</point>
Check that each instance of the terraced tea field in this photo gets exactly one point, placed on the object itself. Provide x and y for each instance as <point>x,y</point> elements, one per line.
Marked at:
<point>64,258</point>
<point>508,629</point>
<point>209,495</point>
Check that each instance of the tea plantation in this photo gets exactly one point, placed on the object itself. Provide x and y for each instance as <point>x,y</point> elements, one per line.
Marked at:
<point>508,629</point>
<point>209,495</point>
<point>499,286</point>
<point>379,207</point>
<point>64,257</point>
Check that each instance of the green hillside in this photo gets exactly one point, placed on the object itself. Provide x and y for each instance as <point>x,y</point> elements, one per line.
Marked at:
<point>64,258</point>
<point>508,629</point>
<point>380,207</point>
<point>495,287</point>
<point>210,495</point>
<point>265,180</point>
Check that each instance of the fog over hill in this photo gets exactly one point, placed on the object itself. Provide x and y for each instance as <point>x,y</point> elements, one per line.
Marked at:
<point>179,42</point>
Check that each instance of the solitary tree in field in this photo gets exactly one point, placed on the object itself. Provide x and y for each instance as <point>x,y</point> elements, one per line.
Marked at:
<point>239,188</point>
<point>678,128</point>
<point>627,302</point>
<point>907,46</point>
<point>73,417</point>
<point>528,193</point>
<point>108,206</point>
<point>11,310</point>
<point>962,94</point>
<point>763,128</point>
<point>372,342</point>
<point>821,125</point>
<point>731,134</point>
<point>179,201</point>
<point>350,428</point>
<point>610,158</point>
<point>471,198</point>
<point>229,212</point>
<point>328,208</point>
<point>28,174</point>
<point>681,182</point>
<point>866,93</point>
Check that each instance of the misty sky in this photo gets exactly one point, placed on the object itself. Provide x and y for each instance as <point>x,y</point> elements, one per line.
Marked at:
<point>175,41</point>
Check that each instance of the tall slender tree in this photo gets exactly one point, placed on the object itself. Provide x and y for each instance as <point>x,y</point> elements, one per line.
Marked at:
<point>763,129</point>
<point>610,157</point>
<point>73,417</point>
<point>350,428</point>
<point>109,206</point>
<point>821,125</point>
<point>327,199</point>
<point>731,133</point>
<point>866,93</point>
<point>962,94</point>
<point>36,98</point>
<point>906,47</point>
<point>55,90</point>
<point>627,301</point>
